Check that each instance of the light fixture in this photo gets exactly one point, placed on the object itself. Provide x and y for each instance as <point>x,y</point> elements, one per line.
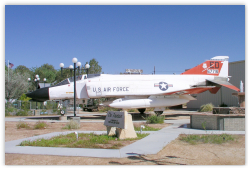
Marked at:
<point>71,67</point>
<point>74,60</point>
<point>87,65</point>
<point>78,64</point>
<point>61,65</point>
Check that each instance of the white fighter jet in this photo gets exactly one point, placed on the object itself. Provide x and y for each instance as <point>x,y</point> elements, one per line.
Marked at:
<point>143,91</point>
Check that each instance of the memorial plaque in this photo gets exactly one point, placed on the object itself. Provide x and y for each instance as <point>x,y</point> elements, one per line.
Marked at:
<point>115,119</point>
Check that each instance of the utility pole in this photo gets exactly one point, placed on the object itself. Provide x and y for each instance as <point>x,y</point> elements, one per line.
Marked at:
<point>154,69</point>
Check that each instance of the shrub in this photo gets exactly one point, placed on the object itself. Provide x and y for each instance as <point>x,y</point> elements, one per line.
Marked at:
<point>72,125</point>
<point>22,112</point>
<point>155,119</point>
<point>9,109</point>
<point>22,125</point>
<point>206,108</point>
<point>40,125</point>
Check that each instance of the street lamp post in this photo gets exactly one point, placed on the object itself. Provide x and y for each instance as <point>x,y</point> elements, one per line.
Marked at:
<point>78,64</point>
<point>74,60</point>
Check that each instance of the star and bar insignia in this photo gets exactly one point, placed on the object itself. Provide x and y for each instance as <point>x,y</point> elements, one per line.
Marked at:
<point>163,85</point>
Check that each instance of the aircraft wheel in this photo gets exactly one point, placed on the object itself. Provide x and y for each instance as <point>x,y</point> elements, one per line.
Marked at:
<point>158,112</point>
<point>141,110</point>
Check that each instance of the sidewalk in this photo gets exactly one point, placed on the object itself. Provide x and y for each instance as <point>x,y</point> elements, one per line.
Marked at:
<point>151,144</point>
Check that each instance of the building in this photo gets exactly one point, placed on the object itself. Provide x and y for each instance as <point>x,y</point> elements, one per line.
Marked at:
<point>224,95</point>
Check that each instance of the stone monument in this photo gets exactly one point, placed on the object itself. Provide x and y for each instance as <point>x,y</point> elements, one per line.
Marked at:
<point>120,124</point>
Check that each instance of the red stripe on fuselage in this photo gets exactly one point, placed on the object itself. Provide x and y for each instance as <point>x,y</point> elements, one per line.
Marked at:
<point>190,91</point>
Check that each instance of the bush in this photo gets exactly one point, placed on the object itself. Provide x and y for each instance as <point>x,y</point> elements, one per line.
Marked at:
<point>25,102</point>
<point>9,109</point>
<point>22,125</point>
<point>72,125</point>
<point>155,119</point>
<point>22,112</point>
<point>40,125</point>
<point>206,108</point>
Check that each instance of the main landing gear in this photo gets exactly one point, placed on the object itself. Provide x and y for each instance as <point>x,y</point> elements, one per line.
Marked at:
<point>142,110</point>
<point>158,112</point>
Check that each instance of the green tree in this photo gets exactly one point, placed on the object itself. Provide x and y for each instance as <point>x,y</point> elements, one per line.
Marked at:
<point>25,101</point>
<point>95,68</point>
<point>15,84</point>
<point>23,69</point>
<point>45,71</point>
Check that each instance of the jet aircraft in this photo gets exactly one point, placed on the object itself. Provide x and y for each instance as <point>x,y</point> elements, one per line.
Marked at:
<point>143,91</point>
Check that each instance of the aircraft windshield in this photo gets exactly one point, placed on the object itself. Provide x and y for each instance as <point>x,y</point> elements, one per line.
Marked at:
<point>71,79</point>
<point>66,81</point>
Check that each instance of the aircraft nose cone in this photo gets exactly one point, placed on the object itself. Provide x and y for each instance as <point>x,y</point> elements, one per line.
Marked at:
<point>39,95</point>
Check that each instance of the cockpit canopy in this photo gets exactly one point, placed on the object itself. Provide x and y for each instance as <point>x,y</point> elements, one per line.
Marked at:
<point>71,79</point>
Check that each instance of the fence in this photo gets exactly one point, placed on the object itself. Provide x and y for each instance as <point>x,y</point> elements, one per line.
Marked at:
<point>44,108</point>
<point>18,104</point>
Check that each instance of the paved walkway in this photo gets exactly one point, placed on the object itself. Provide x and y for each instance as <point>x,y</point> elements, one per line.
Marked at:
<point>151,144</point>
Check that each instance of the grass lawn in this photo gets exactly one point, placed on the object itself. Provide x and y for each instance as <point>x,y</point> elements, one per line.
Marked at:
<point>215,139</point>
<point>85,140</point>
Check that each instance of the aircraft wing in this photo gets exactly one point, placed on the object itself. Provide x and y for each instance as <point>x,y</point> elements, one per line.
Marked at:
<point>222,83</point>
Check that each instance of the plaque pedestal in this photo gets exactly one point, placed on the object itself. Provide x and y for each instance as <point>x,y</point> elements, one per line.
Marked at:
<point>129,131</point>
<point>122,132</point>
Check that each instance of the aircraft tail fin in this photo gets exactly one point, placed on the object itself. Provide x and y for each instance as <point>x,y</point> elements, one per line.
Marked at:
<point>216,66</point>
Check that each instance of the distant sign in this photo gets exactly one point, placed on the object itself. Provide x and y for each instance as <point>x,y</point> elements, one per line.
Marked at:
<point>134,71</point>
<point>115,119</point>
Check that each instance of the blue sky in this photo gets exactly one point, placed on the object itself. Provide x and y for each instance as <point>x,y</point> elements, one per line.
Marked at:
<point>171,38</point>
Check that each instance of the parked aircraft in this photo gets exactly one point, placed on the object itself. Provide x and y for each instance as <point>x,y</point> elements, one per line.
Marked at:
<point>144,91</point>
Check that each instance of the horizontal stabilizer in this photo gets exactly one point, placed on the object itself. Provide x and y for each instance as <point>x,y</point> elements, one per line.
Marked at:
<point>223,83</point>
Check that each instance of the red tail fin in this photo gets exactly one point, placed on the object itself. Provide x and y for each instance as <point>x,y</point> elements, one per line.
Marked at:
<point>215,66</point>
